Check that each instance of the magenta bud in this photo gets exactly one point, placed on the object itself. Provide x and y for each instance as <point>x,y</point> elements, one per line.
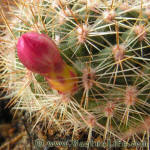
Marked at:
<point>39,53</point>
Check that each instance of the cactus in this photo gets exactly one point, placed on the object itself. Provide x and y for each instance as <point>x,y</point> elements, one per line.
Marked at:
<point>79,66</point>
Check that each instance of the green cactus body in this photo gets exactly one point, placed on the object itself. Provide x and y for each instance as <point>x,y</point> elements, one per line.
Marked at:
<point>106,44</point>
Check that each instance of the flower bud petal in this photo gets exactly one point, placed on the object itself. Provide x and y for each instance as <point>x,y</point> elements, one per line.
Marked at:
<point>38,53</point>
<point>66,82</point>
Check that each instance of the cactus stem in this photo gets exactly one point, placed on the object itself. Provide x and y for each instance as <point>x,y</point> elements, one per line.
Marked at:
<point>108,96</point>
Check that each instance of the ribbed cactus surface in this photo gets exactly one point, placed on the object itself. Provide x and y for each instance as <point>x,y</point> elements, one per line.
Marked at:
<point>79,66</point>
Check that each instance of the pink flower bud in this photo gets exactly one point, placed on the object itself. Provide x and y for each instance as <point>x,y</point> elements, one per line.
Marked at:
<point>39,53</point>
